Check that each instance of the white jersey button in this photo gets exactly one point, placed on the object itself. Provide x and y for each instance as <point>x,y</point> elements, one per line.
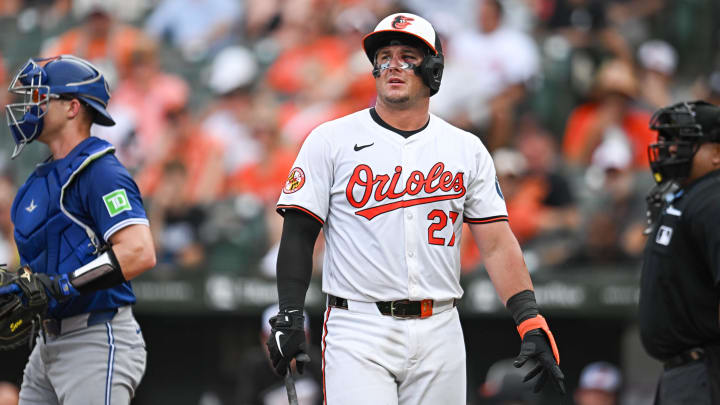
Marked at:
<point>410,215</point>
<point>411,254</point>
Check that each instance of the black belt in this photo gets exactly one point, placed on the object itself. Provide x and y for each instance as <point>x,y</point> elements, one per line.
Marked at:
<point>56,327</point>
<point>397,309</point>
<point>688,356</point>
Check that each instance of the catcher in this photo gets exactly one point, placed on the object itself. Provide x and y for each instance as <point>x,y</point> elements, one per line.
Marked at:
<point>82,234</point>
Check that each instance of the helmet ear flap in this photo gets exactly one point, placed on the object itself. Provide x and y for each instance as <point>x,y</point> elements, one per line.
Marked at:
<point>431,70</point>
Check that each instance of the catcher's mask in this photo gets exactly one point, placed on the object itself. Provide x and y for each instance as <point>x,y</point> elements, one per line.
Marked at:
<point>41,80</point>
<point>408,29</point>
<point>681,129</point>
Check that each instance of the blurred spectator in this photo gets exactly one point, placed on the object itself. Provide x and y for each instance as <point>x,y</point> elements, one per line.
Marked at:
<point>4,82</point>
<point>201,155</point>
<point>540,206</point>
<point>504,386</point>
<point>9,393</point>
<point>610,116</point>
<point>632,18</point>
<point>102,40</point>
<point>265,177</point>
<point>613,209</point>
<point>257,382</point>
<point>559,217</point>
<point>198,28</point>
<point>8,251</point>
<point>140,106</point>
<point>584,24</point>
<point>261,17</point>
<point>707,88</point>
<point>310,71</point>
<point>488,71</point>
<point>125,10</point>
<point>231,78</point>
<point>599,385</point>
<point>176,223</point>
<point>351,25</point>
<point>10,7</point>
<point>658,61</point>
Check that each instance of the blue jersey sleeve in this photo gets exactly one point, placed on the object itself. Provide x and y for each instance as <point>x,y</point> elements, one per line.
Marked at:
<point>105,197</point>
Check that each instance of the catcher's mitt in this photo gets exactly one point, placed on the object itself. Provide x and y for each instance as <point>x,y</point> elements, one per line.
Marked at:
<point>19,312</point>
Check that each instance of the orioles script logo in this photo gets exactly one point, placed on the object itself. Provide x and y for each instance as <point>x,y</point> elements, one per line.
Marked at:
<point>382,187</point>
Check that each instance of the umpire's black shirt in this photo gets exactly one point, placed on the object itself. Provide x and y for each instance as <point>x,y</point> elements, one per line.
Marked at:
<point>680,286</point>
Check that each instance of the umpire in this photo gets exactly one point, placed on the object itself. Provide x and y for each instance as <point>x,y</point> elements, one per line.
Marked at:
<point>680,288</point>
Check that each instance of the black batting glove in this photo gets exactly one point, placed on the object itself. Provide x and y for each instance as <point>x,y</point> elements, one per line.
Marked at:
<point>287,340</point>
<point>535,345</point>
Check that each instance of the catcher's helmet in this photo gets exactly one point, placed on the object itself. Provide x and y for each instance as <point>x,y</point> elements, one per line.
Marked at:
<point>681,128</point>
<point>409,29</point>
<point>61,75</point>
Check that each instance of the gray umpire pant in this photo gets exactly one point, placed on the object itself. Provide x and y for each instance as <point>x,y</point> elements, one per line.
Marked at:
<point>688,384</point>
<point>98,364</point>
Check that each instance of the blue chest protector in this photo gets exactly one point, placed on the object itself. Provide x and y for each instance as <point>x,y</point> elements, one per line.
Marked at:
<point>50,239</point>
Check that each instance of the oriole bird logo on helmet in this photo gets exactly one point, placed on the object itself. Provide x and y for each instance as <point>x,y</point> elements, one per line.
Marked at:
<point>401,22</point>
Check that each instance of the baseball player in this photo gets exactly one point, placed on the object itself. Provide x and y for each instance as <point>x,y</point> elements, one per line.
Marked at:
<point>82,233</point>
<point>391,186</point>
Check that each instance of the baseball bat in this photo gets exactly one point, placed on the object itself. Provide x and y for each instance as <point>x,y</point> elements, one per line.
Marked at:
<point>290,381</point>
<point>290,387</point>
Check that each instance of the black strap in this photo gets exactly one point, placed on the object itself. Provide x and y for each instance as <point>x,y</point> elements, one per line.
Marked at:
<point>688,356</point>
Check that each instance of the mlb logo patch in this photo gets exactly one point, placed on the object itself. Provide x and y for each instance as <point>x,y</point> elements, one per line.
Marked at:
<point>664,235</point>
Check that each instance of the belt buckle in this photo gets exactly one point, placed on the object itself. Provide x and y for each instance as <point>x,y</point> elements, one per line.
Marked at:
<point>399,316</point>
<point>51,327</point>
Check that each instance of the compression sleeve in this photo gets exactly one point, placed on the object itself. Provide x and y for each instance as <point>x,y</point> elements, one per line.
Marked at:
<point>294,264</point>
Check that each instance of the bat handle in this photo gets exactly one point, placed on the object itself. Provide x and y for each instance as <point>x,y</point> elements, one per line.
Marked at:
<point>290,387</point>
<point>9,289</point>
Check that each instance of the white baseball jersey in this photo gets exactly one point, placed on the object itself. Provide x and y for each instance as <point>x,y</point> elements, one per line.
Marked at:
<point>392,207</point>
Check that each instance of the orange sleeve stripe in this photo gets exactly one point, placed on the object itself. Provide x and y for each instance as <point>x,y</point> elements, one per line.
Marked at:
<point>487,220</point>
<point>539,322</point>
<point>281,208</point>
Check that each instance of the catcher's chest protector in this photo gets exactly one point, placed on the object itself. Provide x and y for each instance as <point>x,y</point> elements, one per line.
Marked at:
<point>48,240</point>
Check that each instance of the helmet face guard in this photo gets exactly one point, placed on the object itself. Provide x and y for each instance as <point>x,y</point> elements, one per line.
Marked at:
<point>25,118</point>
<point>679,137</point>
<point>37,83</point>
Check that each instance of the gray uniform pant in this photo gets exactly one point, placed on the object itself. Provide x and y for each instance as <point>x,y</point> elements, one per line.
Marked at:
<point>98,364</point>
<point>684,385</point>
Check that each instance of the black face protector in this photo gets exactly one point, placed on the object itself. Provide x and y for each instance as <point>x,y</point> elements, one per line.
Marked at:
<point>680,134</point>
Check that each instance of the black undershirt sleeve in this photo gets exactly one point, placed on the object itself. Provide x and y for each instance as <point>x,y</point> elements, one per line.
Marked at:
<point>294,264</point>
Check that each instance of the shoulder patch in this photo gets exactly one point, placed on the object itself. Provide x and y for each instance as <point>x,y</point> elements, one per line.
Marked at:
<point>497,188</point>
<point>116,202</point>
<point>295,181</point>
<point>664,235</point>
